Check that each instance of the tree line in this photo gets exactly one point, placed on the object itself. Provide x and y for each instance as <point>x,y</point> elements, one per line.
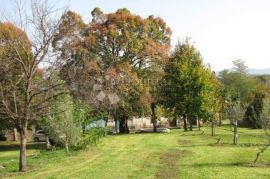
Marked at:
<point>63,72</point>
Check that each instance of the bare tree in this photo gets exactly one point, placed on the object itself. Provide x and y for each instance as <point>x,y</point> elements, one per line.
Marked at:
<point>25,89</point>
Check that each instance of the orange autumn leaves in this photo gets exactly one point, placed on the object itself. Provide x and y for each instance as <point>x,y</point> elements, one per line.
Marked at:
<point>113,53</point>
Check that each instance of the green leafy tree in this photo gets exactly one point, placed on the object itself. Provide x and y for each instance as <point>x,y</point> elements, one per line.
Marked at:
<point>240,67</point>
<point>255,107</point>
<point>61,122</point>
<point>187,85</point>
<point>84,114</point>
<point>212,107</point>
<point>238,85</point>
<point>240,88</point>
<point>264,119</point>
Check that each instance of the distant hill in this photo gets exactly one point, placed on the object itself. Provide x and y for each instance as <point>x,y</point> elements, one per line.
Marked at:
<point>254,71</point>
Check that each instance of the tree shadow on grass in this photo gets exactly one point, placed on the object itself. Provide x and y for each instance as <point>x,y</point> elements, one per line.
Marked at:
<point>189,143</point>
<point>14,147</point>
<point>137,133</point>
<point>236,164</point>
<point>225,144</point>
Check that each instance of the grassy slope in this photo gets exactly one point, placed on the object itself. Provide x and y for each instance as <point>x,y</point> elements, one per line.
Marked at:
<point>177,154</point>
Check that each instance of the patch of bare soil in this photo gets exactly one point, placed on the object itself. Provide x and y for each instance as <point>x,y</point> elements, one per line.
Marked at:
<point>168,167</point>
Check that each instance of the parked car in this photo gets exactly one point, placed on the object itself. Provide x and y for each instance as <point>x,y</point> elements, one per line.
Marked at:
<point>39,136</point>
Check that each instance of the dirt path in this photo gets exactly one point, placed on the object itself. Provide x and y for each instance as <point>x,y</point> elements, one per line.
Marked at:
<point>168,167</point>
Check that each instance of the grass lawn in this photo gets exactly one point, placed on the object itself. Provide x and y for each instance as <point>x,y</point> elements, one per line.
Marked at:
<point>174,155</point>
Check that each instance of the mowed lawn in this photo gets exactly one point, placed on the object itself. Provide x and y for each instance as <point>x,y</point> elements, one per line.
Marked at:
<point>163,155</point>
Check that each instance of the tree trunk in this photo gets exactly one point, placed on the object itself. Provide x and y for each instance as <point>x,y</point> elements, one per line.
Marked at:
<point>123,127</point>
<point>48,144</point>
<point>153,117</point>
<point>126,126</point>
<point>66,147</point>
<point>261,151</point>
<point>116,125</point>
<point>235,133</point>
<point>190,125</point>
<point>198,124</point>
<point>22,161</point>
<point>185,123</point>
<point>155,126</point>
<point>219,120</point>
<point>257,157</point>
<point>15,134</point>
<point>213,128</point>
<point>106,121</point>
<point>116,122</point>
<point>173,123</point>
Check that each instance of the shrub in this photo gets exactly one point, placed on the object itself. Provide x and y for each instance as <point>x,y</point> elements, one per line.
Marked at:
<point>90,137</point>
<point>60,124</point>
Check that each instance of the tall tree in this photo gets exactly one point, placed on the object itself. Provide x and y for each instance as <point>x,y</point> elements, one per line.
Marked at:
<point>213,107</point>
<point>255,107</point>
<point>264,119</point>
<point>240,67</point>
<point>187,84</point>
<point>240,88</point>
<point>108,42</point>
<point>23,95</point>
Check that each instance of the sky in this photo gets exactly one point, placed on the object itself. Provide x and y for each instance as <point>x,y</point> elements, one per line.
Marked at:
<point>222,30</point>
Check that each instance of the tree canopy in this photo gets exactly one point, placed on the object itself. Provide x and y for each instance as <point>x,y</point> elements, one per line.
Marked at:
<point>112,54</point>
<point>188,85</point>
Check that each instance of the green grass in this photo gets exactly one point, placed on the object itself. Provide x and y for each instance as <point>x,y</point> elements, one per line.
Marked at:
<point>174,155</point>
